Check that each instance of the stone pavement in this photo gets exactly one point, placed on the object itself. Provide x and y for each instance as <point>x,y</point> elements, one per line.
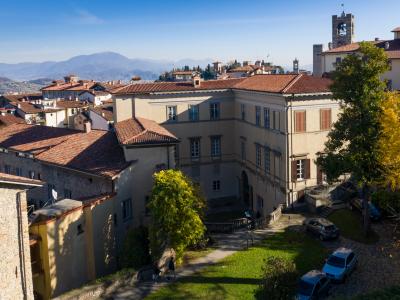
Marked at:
<point>226,244</point>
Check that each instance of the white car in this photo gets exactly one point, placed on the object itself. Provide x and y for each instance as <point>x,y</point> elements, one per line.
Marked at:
<point>340,264</point>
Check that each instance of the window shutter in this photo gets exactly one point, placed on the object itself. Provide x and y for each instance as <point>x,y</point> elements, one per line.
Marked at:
<point>307,169</point>
<point>319,175</point>
<point>294,170</point>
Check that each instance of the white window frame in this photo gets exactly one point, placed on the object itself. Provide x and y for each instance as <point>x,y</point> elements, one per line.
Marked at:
<point>215,111</point>
<point>300,169</point>
<point>216,185</point>
<point>215,146</point>
<point>195,148</point>
<point>172,113</point>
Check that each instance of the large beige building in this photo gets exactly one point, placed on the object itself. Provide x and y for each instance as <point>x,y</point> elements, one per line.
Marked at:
<point>254,139</point>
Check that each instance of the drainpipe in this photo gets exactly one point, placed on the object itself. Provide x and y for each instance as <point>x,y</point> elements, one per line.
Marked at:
<point>291,145</point>
<point>21,245</point>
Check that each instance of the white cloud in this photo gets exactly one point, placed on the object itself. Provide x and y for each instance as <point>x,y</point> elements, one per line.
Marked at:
<point>87,18</point>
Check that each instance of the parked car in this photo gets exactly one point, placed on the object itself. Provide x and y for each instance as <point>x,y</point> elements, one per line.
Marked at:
<point>322,228</point>
<point>313,285</point>
<point>340,264</point>
<point>374,212</point>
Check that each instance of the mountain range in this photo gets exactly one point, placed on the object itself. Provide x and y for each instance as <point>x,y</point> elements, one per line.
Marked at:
<point>102,66</point>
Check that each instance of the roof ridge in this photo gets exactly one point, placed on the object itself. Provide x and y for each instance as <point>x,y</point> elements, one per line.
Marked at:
<point>291,83</point>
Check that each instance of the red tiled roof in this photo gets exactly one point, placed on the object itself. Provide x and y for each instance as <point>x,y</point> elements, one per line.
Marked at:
<point>11,119</point>
<point>71,104</point>
<point>248,68</point>
<point>271,83</point>
<point>27,107</point>
<point>19,180</point>
<point>143,88</point>
<point>21,97</point>
<point>393,52</point>
<point>137,131</point>
<point>96,152</point>
<point>70,86</point>
<point>105,111</point>
<point>184,72</point>
<point>397,29</point>
<point>285,84</point>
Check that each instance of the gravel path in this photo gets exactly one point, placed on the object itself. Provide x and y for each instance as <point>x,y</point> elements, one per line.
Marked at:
<point>378,264</point>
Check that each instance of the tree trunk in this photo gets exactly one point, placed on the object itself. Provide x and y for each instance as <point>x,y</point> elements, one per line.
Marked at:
<point>365,208</point>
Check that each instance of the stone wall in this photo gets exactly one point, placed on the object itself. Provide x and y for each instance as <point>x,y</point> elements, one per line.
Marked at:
<point>15,260</point>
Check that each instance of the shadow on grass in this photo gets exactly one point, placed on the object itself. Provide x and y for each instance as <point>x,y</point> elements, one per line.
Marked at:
<point>239,275</point>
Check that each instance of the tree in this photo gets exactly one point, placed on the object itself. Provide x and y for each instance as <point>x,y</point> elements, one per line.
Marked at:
<point>135,248</point>
<point>389,141</point>
<point>177,209</point>
<point>279,279</point>
<point>352,145</point>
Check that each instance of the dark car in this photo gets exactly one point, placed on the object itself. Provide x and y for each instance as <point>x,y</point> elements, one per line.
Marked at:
<point>313,285</point>
<point>322,228</point>
<point>374,212</point>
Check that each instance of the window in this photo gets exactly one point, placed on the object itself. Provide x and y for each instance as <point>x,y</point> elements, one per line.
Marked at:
<point>193,112</point>
<point>67,194</point>
<point>7,169</point>
<point>18,171</point>
<point>300,121</point>
<point>243,150</point>
<point>277,164</point>
<point>214,111</point>
<point>338,60</point>
<point>266,118</point>
<point>79,229</point>
<point>176,154</point>
<point>195,148</point>
<point>258,117</point>
<point>389,85</point>
<point>267,160</point>
<point>215,146</point>
<point>216,185</point>
<point>31,174</point>
<point>243,112</point>
<point>258,155</point>
<point>390,64</point>
<point>171,113</point>
<point>300,169</point>
<point>260,202</point>
<point>126,209</point>
<point>325,119</point>
<point>276,120</point>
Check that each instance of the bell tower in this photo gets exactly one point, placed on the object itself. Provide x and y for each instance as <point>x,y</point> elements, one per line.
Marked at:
<point>342,29</point>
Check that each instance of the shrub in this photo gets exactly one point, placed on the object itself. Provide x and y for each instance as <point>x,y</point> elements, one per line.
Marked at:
<point>135,251</point>
<point>279,279</point>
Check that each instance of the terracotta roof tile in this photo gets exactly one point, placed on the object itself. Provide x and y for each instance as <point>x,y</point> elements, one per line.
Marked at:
<point>71,104</point>
<point>138,131</point>
<point>11,119</point>
<point>105,111</point>
<point>18,179</point>
<point>21,97</point>
<point>271,83</point>
<point>96,152</point>
<point>397,29</point>
<point>143,88</point>
<point>27,107</point>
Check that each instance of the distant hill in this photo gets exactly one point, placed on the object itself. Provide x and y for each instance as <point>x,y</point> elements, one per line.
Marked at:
<point>102,66</point>
<point>7,85</point>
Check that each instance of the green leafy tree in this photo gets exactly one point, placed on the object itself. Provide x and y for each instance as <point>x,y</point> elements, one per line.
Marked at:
<point>135,251</point>
<point>177,208</point>
<point>352,145</point>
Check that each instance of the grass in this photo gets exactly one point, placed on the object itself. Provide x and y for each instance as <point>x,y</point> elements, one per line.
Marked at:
<point>350,225</point>
<point>238,276</point>
<point>225,216</point>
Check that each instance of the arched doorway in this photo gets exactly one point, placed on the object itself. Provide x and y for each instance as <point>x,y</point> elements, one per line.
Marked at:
<point>245,189</point>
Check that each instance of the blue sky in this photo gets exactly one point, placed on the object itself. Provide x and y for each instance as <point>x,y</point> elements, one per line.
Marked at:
<point>171,29</point>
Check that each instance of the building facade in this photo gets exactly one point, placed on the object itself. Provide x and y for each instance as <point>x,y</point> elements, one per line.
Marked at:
<point>254,139</point>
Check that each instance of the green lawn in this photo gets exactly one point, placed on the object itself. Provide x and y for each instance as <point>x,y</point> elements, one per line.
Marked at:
<point>238,276</point>
<point>350,225</point>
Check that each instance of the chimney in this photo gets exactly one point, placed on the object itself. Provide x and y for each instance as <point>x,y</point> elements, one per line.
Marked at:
<point>19,105</point>
<point>329,45</point>
<point>103,114</point>
<point>88,127</point>
<point>196,81</point>
<point>76,99</point>
<point>376,39</point>
<point>55,102</point>
<point>387,45</point>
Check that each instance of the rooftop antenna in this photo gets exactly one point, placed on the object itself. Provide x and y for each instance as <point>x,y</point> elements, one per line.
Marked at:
<point>343,14</point>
